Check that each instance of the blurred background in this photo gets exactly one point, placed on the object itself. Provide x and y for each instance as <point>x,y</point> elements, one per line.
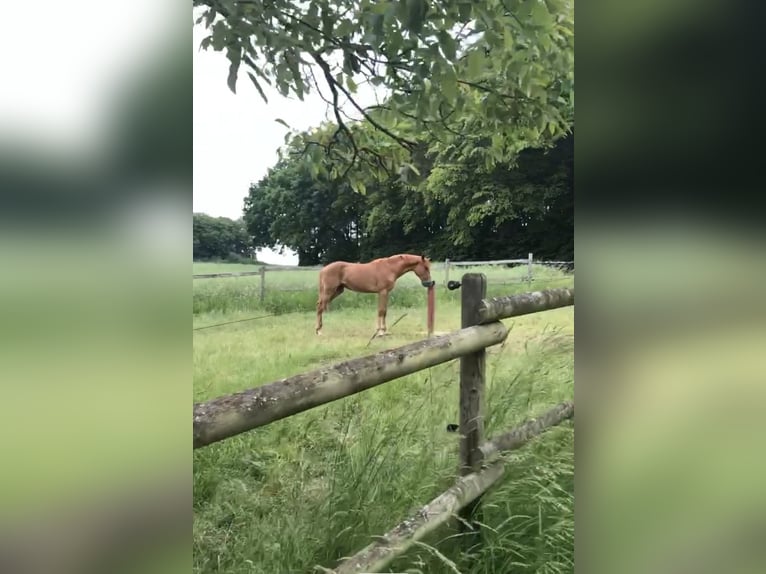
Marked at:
<point>95,239</point>
<point>670,323</point>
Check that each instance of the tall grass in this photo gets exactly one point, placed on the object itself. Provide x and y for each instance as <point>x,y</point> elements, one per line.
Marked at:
<point>310,489</point>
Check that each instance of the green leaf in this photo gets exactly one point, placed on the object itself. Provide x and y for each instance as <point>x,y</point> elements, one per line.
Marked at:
<point>351,84</point>
<point>345,28</point>
<point>551,127</point>
<point>508,38</point>
<point>476,61</point>
<point>464,11</point>
<point>412,168</point>
<point>233,69</point>
<point>358,186</point>
<point>449,83</point>
<point>209,17</point>
<point>312,17</point>
<point>258,87</point>
<point>447,44</point>
<point>377,21</point>
<point>379,7</point>
<point>283,122</point>
<point>416,11</point>
<point>539,13</point>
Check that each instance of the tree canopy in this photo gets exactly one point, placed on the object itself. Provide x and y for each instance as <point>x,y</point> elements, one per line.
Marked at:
<point>468,155</point>
<point>462,212</point>
<point>461,80</point>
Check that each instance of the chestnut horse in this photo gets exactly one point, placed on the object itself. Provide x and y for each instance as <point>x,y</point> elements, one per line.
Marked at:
<point>378,276</point>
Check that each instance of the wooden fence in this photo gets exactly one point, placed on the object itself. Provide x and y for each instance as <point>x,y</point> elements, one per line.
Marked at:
<point>445,267</point>
<point>227,416</point>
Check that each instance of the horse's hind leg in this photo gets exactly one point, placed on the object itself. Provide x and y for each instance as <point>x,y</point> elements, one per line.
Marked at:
<point>321,306</point>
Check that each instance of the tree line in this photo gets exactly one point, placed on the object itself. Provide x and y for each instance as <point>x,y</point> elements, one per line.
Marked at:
<point>462,211</point>
<point>220,238</point>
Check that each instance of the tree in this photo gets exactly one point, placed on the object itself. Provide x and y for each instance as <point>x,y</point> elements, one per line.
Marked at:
<point>219,238</point>
<point>527,206</point>
<point>462,211</point>
<point>481,79</point>
<point>316,217</point>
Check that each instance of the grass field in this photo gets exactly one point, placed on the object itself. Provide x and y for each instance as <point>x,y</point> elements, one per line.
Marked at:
<point>310,489</point>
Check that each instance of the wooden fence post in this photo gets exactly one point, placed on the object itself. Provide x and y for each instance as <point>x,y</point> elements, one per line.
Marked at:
<point>446,272</point>
<point>529,269</point>
<point>472,379</point>
<point>263,282</point>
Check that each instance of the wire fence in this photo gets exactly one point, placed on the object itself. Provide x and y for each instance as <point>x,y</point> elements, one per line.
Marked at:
<point>441,269</point>
<point>273,291</point>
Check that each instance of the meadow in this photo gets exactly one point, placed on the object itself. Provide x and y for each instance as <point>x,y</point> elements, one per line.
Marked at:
<point>308,490</point>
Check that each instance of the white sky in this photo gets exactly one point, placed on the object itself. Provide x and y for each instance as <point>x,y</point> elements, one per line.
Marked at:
<point>236,137</point>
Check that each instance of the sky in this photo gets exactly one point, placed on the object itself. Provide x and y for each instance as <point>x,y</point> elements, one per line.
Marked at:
<point>236,137</point>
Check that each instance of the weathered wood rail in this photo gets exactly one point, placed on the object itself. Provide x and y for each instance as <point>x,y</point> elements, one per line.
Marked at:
<point>230,415</point>
<point>523,304</point>
<point>466,489</point>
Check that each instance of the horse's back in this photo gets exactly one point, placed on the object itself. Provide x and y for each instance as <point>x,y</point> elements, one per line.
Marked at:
<point>332,273</point>
<point>334,266</point>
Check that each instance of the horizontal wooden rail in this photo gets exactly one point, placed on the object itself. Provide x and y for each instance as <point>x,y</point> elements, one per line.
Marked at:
<point>230,415</point>
<point>497,308</point>
<point>380,553</point>
<point>519,436</point>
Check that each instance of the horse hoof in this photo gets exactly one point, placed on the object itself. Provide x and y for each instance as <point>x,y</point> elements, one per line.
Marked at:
<point>318,332</point>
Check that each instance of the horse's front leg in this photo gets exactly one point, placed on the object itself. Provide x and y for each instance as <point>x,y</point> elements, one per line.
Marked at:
<point>382,308</point>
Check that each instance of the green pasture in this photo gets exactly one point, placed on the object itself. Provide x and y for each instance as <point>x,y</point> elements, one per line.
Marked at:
<point>308,490</point>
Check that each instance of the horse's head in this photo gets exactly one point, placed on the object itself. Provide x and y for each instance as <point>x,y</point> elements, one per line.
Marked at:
<point>423,270</point>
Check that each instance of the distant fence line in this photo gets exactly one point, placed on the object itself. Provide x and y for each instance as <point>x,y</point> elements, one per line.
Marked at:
<point>224,417</point>
<point>444,266</point>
